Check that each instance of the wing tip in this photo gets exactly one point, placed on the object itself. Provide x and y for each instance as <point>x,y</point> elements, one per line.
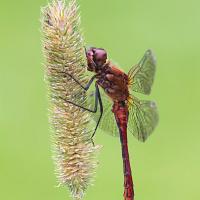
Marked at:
<point>151,53</point>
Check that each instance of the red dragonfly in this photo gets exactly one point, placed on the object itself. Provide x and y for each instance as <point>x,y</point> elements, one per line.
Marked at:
<point>139,116</point>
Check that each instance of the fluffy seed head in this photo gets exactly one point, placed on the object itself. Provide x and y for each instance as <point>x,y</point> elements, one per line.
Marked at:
<point>74,154</point>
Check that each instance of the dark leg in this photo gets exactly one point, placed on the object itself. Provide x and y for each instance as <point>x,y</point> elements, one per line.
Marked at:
<point>85,88</point>
<point>100,107</point>
<point>87,85</point>
<point>79,106</point>
<point>97,99</point>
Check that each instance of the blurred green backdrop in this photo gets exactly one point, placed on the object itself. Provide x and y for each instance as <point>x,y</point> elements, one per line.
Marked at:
<point>165,167</point>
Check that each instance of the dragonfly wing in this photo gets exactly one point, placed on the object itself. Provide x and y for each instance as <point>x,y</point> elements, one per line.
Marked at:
<point>86,100</point>
<point>107,123</point>
<point>143,118</point>
<point>141,76</point>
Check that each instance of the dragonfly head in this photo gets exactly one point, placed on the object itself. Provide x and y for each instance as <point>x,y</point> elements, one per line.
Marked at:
<point>96,58</point>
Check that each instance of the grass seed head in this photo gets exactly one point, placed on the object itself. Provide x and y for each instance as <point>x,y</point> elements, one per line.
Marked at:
<point>63,46</point>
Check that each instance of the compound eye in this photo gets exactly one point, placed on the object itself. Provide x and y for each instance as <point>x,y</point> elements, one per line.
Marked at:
<point>104,55</point>
<point>100,54</point>
<point>90,53</point>
<point>98,59</point>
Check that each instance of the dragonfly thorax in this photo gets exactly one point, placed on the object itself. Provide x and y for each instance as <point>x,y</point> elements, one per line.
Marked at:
<point>114,83</point>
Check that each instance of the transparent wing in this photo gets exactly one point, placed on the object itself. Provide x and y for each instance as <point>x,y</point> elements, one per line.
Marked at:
<point>141,76</point>
<point>107,123</point>
<point>143,118</point>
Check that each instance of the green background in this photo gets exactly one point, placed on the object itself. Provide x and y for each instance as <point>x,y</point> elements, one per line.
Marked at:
<point>165,167</point>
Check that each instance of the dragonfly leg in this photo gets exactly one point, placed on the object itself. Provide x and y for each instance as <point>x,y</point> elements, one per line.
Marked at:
<point>100,108</point>
<point>97,99</point>
<point>83,87</point>
<point>94,110</point>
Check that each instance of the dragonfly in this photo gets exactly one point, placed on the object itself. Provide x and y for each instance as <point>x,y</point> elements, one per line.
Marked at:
<point>119,110</point>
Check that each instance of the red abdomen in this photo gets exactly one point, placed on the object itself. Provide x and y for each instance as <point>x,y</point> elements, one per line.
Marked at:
<point>120,111</point>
